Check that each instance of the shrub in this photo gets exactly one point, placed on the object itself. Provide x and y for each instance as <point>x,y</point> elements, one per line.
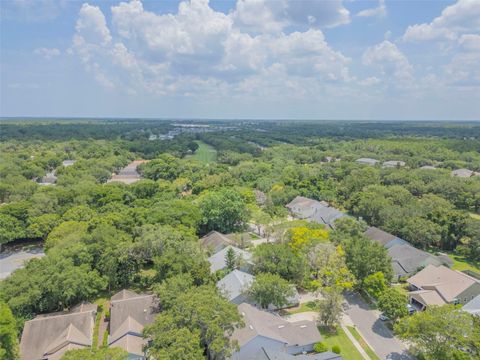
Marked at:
<point>320,347</point>
<point>336,349</point>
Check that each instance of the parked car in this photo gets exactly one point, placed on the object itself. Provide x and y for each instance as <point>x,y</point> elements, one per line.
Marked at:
<point>411,309</point>
<point>384,317</point>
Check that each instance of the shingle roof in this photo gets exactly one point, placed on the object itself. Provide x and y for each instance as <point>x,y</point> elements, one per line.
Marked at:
<point>382,237</point>
<point>446,282</point>
<point>217,260</point>
<point>409,259</point>
<point>393,163</point>
<point>262,323</point>
<point>50,336</point>
<point>235,284</point>
<point>464,173</point>
<point>473,306</point>
<point>326,216</point>
<point>129,313</point>
<point>304,207</point>
<point>215,241</point>
<point>270,354</point>
<point>368,161</point>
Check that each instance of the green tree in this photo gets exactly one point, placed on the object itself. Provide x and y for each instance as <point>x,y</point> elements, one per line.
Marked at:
<point>8,334</point>
<point>375,284</point>
<point>442,333</point>
<point>393,303</point>
<point>279,259</point>
<point>10,229</point>
<point>204,312</point>
<point>330,308</point>
<point>40,226</point>
<point>269,289</point>
<point>170,342</point>
<point>230,259</point>
<point>96,354</point>
<point>223,210</point>
<point>365,257</point>
<point>169,290</point>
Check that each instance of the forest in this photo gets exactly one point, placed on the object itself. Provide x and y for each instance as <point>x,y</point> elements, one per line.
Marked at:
<point>100,237</point>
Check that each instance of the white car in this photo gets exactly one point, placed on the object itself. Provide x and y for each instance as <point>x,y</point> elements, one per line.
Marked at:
<point>384,317</point>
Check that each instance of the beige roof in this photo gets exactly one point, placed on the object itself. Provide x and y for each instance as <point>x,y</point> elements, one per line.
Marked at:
<point>129,313</point>
<point>49,337</point>
<point>427,297</point>
<point>215,241</point>
<point>263,323</point>
<point>446,282</point>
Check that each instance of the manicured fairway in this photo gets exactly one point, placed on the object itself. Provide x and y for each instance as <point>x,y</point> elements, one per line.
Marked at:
<point>205,153</point>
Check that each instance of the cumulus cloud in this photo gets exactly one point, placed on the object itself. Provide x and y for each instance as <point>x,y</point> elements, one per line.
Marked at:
<point>275,15</point>
<point>198,50</point>
<point>47,53</point>
<point>461,17</point>
<point>391,61</point>
<point>379,11</point>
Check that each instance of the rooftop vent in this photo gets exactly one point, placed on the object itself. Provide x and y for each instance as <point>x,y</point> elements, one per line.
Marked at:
<point>251,327</point>
<point>303,326</point>
<point>281,326</point>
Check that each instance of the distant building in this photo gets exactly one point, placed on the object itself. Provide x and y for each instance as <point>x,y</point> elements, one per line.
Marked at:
<point>49,179</point>
<point>66,163</point>
<point>129,313</point>
<point>49,337</point>
<point>367,161</point>
<point>428,167</point>
<point>464,173</point>
<point>439,285</point>
<point>393,164</point>
<point>129,174</point>
<point>269,354</point>
<point>264,330</point>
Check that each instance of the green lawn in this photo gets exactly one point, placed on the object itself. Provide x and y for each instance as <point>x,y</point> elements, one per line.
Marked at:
<point>308,306</point>
<point>362,343</point>
<point>460,263</point>
<point>348,350</point>
<point>475,216</point>
<point>204,154</point>
<point>101,302</point>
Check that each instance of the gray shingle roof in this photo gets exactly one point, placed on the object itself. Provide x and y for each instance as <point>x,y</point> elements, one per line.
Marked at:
<point>50,336</point>
<point>366,161</point>
<point>269,354</point>
<point>262,323</point>
<point>407,259</point>
<point>473,306</point>
<point>215,241</point>
<point>217,260</point>
<point>383,238</point>
<point>326,216</point>
<point>235,284</point>
<point>129,313</point>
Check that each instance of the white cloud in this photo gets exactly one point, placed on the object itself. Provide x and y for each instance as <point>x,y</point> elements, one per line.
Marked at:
<point>198,50</point>
<point>379,11</point>
<point>461,17</point>
<point>391,61</point>
<point>470,42</point>
<point>275,15</point>
<point>47,53</point>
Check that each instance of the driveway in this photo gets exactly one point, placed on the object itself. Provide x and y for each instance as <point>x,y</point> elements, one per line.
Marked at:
<point>377,335</point>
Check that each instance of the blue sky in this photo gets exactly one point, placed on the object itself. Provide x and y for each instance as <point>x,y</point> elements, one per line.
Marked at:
<point>277,59</point>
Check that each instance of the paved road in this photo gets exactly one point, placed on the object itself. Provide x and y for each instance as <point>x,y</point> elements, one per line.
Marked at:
<point>378,336</point>
<point>11,261</point>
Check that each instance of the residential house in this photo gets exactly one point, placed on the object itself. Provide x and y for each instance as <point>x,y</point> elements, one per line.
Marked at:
<point>383,238</point>
<point>49,179</point>
<point>407,260</point>
<point>66,163</point>
<point>218,260</point>
<point>428,167</point>
<point>269,354</point>
<point>303,208</point>
<point>129,174</point>
<point>393,164</point>
<point>439,285</point>
<point>215,241</point>
<point>367,161</point>
<point>235,285</point>
<point>313,210</point>
<point>48,337</point>
<point>269,331</point>
<point>473,306</point>
<point>129,313</point>
<point>464,173</point>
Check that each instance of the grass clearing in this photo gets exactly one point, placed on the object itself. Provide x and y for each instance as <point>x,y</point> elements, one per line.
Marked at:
<point>308,306</point>
<point>348,350</point>
<point>362,343</point>
<point>204,154</point>
<point>461,263</point>
<point>475,216</point>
